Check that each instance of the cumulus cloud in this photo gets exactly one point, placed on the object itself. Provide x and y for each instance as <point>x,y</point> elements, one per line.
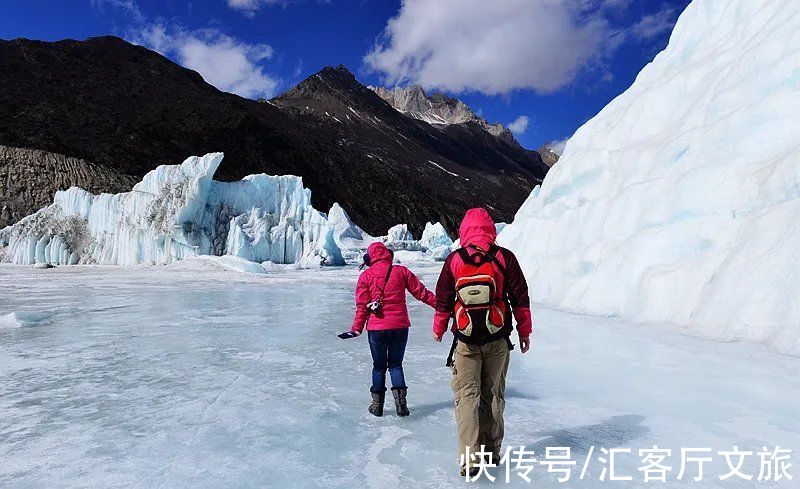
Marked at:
<point>492,46</point>
<point>654,24</point>
<point>520,125</point>
<point>225,62</point>
<point>557,146</point>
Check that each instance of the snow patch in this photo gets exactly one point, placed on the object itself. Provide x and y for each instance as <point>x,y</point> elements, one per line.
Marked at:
<point>437,165</point>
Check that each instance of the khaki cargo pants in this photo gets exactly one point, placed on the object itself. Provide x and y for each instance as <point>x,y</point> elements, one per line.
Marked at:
<point>479,384</point>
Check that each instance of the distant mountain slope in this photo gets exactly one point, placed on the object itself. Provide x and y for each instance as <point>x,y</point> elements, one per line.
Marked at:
<point>128,109</point>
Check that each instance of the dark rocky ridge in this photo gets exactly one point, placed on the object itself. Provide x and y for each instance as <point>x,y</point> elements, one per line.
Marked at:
<point>127,109</point>
<point>29,178</point>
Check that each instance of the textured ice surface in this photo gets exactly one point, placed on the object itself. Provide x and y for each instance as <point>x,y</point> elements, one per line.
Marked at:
<point>400,238</point>
<point>435,235</point>
<point>179,211</point>
<point>679,201</point>
<point>351,239</point>
<point>434,245</point>
<point>436,241</point>
<point>168,377</point>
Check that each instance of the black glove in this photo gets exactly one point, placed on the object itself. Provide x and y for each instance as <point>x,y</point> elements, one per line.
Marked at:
<point>347,335</point>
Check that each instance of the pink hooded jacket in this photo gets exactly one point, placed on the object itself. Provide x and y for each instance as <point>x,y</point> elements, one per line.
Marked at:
<point>478,229</point>
<point>393,313</point>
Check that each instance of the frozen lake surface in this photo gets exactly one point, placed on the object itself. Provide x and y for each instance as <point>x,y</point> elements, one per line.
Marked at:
<point>150,377</point>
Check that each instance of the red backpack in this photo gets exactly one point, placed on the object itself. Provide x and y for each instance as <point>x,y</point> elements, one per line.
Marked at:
<point>481,312</point>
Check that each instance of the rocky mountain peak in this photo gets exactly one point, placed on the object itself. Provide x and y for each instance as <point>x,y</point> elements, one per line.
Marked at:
<point>439,109</point>
<point>329,87</point>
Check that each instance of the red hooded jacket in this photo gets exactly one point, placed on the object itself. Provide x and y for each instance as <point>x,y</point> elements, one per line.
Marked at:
<point>393,314</point>
<point>478,229</point>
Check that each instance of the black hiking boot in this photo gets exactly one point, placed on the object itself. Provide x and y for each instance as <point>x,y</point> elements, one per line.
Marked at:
<point>399,394</point>
<point>491,457</point>
<point>376,407</point>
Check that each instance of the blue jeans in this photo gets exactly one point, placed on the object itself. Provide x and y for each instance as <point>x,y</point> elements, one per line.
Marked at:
<point>388,347</point>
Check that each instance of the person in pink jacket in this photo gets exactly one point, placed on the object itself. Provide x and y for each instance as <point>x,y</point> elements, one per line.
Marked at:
<point>381,308</point>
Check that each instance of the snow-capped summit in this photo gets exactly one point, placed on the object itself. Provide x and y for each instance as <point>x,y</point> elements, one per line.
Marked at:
<point>438,109</point>
<point>679,202</point>
<point>551,151</point>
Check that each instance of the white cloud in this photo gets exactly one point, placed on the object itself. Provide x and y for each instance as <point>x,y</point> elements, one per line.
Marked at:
<point>227,63</point>
<point>247,7</point>
<point>557,146</point>
<point>130,6</point>
<point>615,4</point>
<point>520,125</point>
<point>250,7</point>
<point>492,46</point>
<point>652,25</point>
<point>298,69</point>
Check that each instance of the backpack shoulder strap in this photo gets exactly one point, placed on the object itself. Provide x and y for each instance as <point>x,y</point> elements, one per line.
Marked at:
<point>465,257</point>
<point>492,253</point>
<point>386,280</point>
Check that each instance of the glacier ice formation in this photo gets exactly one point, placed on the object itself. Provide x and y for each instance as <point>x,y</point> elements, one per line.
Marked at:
<point>179,211</point>
<point>679,202</point>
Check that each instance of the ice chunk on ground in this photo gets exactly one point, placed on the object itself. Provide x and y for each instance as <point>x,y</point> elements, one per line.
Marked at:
<point>435,235</point>
<point>433,246</point>
<point>179,211</point>
<point>218,263</point>
<point>400,238</point>
<point>10,321</point>
<point>351,239</point>
<point>678,202</point>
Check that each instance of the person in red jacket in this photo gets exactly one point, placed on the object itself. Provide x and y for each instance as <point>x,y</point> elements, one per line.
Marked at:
<point>477,285</point>
<point>381,307</point>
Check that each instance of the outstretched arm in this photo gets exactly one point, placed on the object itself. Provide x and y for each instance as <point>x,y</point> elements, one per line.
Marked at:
<point>418,290</point>
<point>445,300</point>
<point>362,298</point>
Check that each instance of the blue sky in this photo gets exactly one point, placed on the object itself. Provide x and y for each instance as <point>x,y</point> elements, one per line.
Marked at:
<point>544,67</point>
